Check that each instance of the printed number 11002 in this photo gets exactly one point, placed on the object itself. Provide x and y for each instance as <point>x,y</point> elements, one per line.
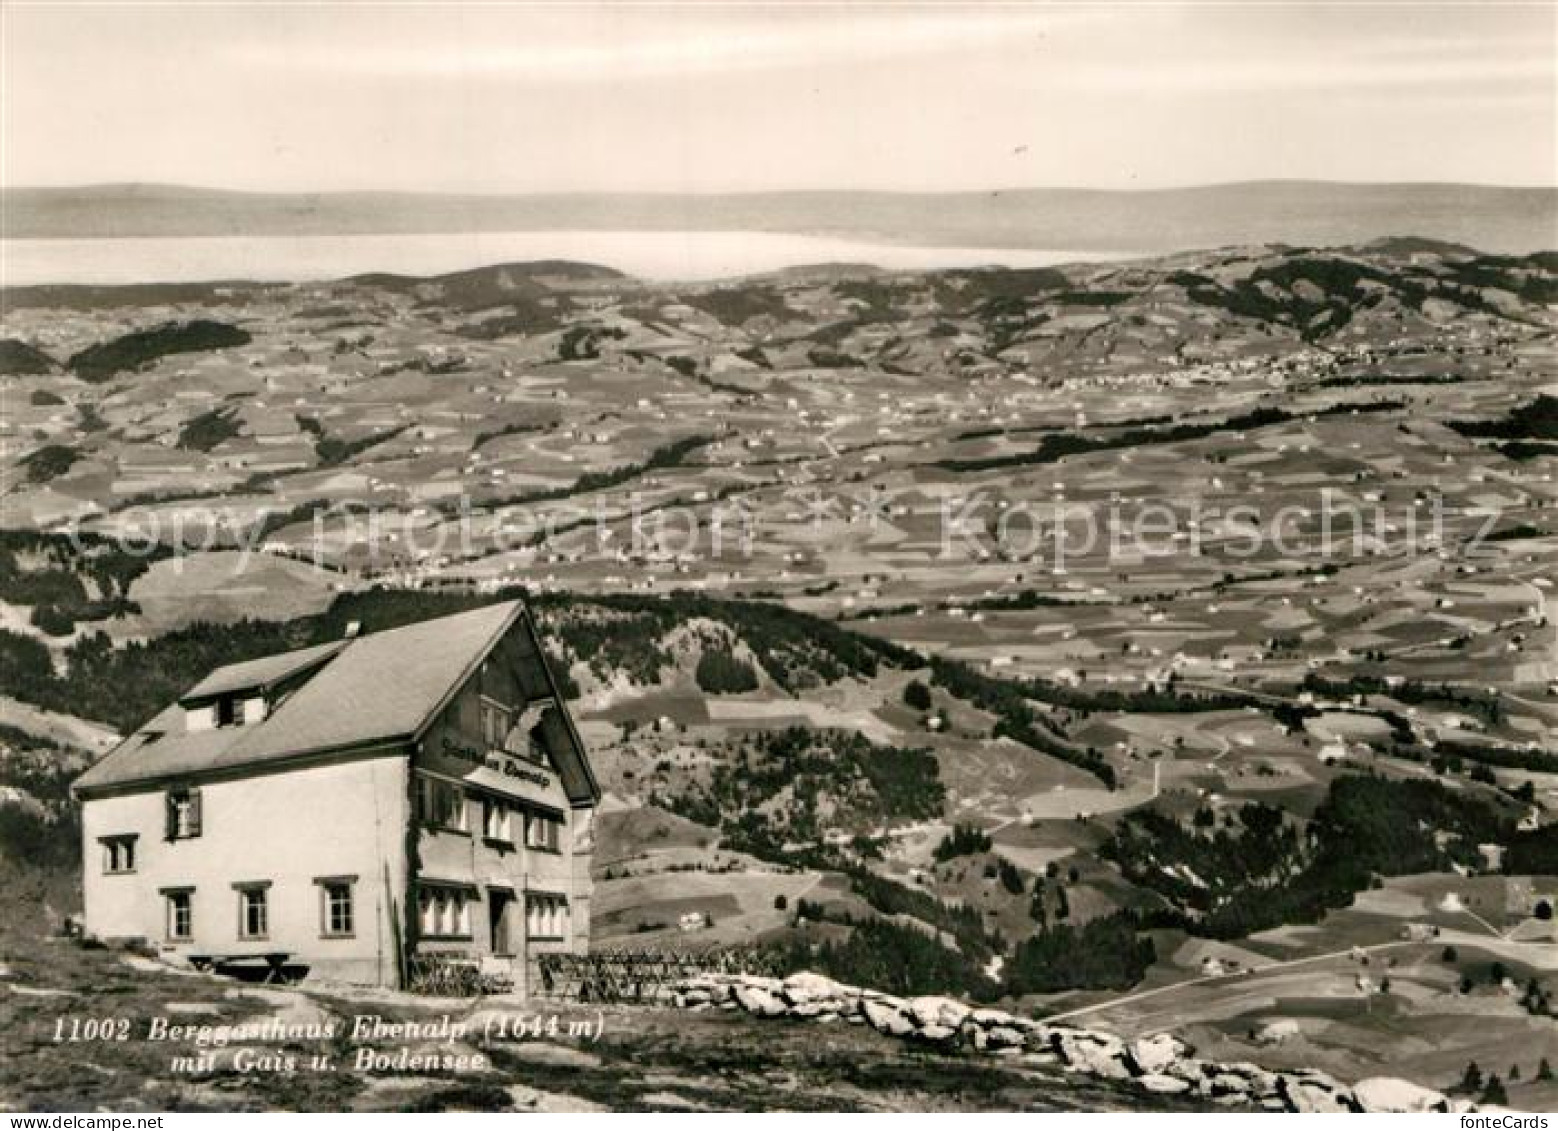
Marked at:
<point>91,1029</point>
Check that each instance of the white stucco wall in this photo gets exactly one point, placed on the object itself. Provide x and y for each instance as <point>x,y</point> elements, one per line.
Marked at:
<point>289,828</point>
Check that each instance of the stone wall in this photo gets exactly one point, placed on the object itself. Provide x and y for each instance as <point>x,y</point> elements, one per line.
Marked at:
<point>1161,1063</point>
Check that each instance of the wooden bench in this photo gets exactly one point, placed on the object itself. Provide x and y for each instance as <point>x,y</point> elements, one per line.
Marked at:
<point>274,964</point>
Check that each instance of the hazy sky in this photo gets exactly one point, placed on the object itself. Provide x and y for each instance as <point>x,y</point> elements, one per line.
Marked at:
<point>516,97</point>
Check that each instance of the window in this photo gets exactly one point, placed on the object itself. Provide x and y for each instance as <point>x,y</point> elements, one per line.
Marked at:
<point>537,753</point>
<point>546,916</point>
<point>183,812</point>
<point>440,804</point>
<point>118,854</point>
<point>335,907</point>
<point>181,913</point>
<point>253,910</point>
<point>497,820</point>
<point>496,720</point>
<point>542,832</point>
<point>444,913</point>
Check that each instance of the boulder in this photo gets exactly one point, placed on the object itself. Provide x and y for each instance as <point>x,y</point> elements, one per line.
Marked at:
<point>888,1018</point>
<point>1003,1037</point>
<point>1311,1092</point>
<point>940,1011</point>
<point>936,1034</point>
<point>1242,1076</point>
<point>761,1001</point>
<point>1391,1094</point>
<point>1153,1054</point>
<point>1095,1054</point>
<point>1165,1085</point>
<point>799,989</point>
<point>993,1018</point>
<point>1227,1083</point>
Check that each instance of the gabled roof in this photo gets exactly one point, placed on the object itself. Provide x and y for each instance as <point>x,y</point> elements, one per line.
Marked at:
<point>383,688</point>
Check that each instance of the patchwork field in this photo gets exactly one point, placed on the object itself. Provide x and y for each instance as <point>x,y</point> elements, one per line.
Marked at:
<point>1160,639</point>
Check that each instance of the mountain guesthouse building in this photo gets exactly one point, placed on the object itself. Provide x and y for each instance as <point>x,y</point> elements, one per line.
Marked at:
<point>349,809</point>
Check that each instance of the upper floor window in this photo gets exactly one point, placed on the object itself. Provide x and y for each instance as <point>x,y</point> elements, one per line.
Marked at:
<point>118,854</point>
<point>440,804</point>
<point>183,813</point>
<point>497,820</point>
<point>543,832</point>
<point>253,910</point>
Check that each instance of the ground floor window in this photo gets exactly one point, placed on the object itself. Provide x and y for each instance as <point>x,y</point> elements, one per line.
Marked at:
<point>180,914</point>
<point>118,854</point>
<point>336,912</point>
<point>546,916</point>
<point>253,911</point>
<point>444,913</point>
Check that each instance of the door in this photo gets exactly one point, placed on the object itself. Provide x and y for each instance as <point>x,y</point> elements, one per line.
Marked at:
<point>500,906</point>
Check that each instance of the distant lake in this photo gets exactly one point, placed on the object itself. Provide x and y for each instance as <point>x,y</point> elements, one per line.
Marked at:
<point>648,255</point>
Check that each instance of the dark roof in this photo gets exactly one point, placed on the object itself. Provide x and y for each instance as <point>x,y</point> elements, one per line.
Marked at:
<point>379,689</point>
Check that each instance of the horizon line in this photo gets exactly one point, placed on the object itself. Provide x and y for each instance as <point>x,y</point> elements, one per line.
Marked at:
<point>498,194</point>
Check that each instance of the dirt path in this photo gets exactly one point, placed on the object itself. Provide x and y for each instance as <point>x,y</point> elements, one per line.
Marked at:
<point>1251,977</point>
<point>1508,948</point>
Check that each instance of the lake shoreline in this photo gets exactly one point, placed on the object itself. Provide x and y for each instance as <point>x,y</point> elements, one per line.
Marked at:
<point>657,256</point>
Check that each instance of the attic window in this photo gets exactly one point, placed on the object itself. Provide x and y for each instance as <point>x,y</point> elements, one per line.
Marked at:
<point>228,713</point>
<point>496,720</point>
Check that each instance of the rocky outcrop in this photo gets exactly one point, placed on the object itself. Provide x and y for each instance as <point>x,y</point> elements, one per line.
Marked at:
<point>1160,1063</point>
<point>1388,1094</point>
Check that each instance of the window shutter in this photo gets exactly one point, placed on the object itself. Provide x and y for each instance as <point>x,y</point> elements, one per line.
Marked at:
<point>170,813</point>
<point>194,812</point>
